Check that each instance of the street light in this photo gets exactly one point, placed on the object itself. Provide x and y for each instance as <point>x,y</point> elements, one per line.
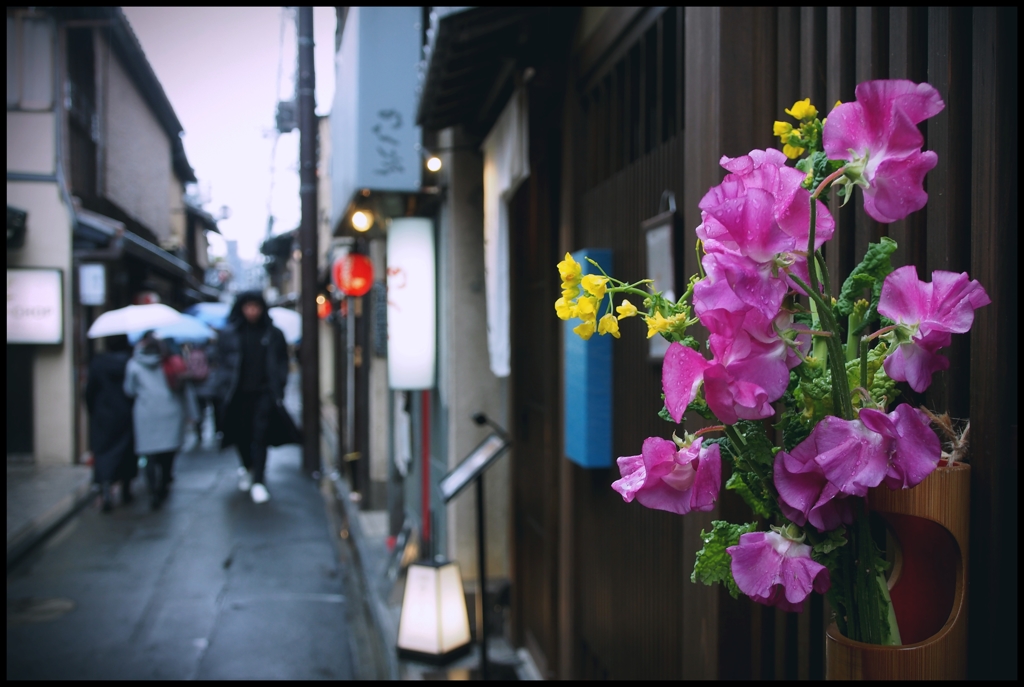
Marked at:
<point>362,220</point>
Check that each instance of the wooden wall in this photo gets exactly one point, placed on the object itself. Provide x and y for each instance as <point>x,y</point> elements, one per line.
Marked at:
<point>656,96</point>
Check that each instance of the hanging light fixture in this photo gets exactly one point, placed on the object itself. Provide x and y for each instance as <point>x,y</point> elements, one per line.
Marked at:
<point>353,274</point>
<point>362,220</point>
<point>434,623</point>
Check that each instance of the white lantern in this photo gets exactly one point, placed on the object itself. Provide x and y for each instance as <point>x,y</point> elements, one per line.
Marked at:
<point>434,624</point>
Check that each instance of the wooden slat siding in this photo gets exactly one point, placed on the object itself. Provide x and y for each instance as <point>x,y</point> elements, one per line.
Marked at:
<point>650,554</point>
<point>994,345</point>
<point>840,85</point>
<point>621,547</point>
<point>908,59</point>
<point>949,198</point>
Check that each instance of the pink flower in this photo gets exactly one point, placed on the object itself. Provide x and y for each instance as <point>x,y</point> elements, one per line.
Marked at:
<point>675,480</point>
<point>681,375</point>
<point>776,571</point>
<point>913,447</point>
<point>878,135</point>
<point>760,209</point>
<point>930,312</point>
<point>805,495</point>
<point>749,372</point>
<point>735,283</point>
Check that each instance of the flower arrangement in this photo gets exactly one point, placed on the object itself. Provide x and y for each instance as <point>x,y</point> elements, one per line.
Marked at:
<point>782,346</point>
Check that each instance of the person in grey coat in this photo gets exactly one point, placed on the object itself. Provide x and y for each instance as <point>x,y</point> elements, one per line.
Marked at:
<point>159,414</point>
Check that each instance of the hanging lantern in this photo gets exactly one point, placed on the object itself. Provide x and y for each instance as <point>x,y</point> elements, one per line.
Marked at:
<point>353,274</point>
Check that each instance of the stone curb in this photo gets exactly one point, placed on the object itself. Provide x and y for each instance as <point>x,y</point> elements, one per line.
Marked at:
<point>42,526</point>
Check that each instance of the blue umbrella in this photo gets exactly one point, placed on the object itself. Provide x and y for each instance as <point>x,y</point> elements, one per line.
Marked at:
<point>213,314</point>
<point>188,329</point>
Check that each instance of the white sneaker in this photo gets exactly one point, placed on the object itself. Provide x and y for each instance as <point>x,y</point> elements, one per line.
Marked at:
<point>244,480</point>
<point>259,493</point>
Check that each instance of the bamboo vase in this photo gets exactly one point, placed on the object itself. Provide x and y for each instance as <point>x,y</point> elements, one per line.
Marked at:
<point>928,585</point>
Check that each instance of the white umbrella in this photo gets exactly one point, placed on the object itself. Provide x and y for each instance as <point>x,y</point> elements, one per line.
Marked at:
<point>186,330</point>
<point>289,322</point>
<point>133,318</point>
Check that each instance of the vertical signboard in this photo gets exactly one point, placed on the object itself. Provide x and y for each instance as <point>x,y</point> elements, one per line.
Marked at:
<point>411,310</point>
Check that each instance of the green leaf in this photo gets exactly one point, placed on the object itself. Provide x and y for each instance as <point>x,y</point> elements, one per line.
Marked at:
<point>664,415</point>
<point>757,446</point>
<point>868,275</point>
<point>713,562</point>
<point>758,502</point>
<point>832,541</point>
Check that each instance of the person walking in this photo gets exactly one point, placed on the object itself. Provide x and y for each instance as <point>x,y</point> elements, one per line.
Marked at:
<point>252,374</point>
<point>159,414</point>
<point>111,436</point>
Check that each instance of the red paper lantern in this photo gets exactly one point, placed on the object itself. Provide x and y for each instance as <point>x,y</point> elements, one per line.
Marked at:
<point>353,274</point>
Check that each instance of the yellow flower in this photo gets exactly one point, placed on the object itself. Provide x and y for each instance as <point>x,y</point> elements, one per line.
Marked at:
<point>586,308</point>
<point>569,292</point>
<point>792,151</point>
<point>838,103</point>
<point>570,271</point>
<point>627,309</point>
<point>564,309</point>
<point>585,330</point>
<point>803,110</point>
<point>595,285</point>
<point>608,325</point>
<point>657,324</point>
<point>782,129</point>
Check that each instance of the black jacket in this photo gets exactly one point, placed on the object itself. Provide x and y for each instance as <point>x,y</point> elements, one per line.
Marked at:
<point>111,435</point>
<point>229,356</point>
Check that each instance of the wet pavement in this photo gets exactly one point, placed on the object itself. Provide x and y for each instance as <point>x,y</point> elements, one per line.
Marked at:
<point>211,586</point>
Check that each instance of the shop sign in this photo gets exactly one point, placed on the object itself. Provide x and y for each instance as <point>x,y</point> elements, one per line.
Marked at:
<point>411,304</point>
<point>92,284</point>
<point>35,306</point>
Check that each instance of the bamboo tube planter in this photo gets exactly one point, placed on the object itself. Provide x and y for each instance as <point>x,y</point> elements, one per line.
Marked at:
<point>928,585</point>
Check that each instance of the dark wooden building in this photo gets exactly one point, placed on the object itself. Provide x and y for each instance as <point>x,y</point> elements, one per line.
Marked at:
<point>644,100</point>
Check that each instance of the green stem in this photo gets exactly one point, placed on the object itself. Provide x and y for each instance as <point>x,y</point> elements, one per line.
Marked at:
<point>864,344</point>
<point>836,357</point>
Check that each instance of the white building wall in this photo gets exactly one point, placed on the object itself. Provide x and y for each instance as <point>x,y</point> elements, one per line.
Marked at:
<point>138,154</point>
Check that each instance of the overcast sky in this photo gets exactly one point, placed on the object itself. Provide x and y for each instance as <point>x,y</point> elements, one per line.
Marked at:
<point>219,67</point>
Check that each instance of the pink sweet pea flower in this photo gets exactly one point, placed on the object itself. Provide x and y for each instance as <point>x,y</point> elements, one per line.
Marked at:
<point>878,135</point>
<point>913,447</point>
<point>681,375</point>
<point>776,571</point>
<point>760,209</point>
<point>805,495</point>
<point>665,477</point>
<point>929,313</point>
<point>735,283</point>
<point>749,372</point>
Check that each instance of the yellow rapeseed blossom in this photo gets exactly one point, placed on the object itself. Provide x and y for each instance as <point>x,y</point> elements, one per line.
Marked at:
<point>564,309</point>
<point>803,110</point>
<point>569,293</point>
<point>608,325</point>
<point>585,330</point>
<point>792,151</point>
<point>657,324</point>
<point>570,271</point>
<point>586,308</point>
<point>627,309</point>
<point>595,285</point>
<point>782,129</point>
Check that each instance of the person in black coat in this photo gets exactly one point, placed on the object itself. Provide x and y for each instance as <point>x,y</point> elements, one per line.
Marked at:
<point>251,378</point>
<point>111,436</point>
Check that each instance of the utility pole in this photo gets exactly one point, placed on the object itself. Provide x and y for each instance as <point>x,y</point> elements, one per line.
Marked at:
<point>310,350</point>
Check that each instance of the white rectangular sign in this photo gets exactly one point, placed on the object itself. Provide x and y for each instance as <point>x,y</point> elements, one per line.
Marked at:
<point>92,284</point>
<point>412,327</point>
<point>35,306</point>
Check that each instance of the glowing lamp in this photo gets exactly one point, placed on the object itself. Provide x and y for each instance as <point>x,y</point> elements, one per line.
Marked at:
<point>353,274</point>
<point>434,624</point>
<point>323,307</point>
<point>362,220</point>
<point>434,163</point>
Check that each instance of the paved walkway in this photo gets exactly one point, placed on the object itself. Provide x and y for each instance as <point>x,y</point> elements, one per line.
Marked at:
<point>211,586</point>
